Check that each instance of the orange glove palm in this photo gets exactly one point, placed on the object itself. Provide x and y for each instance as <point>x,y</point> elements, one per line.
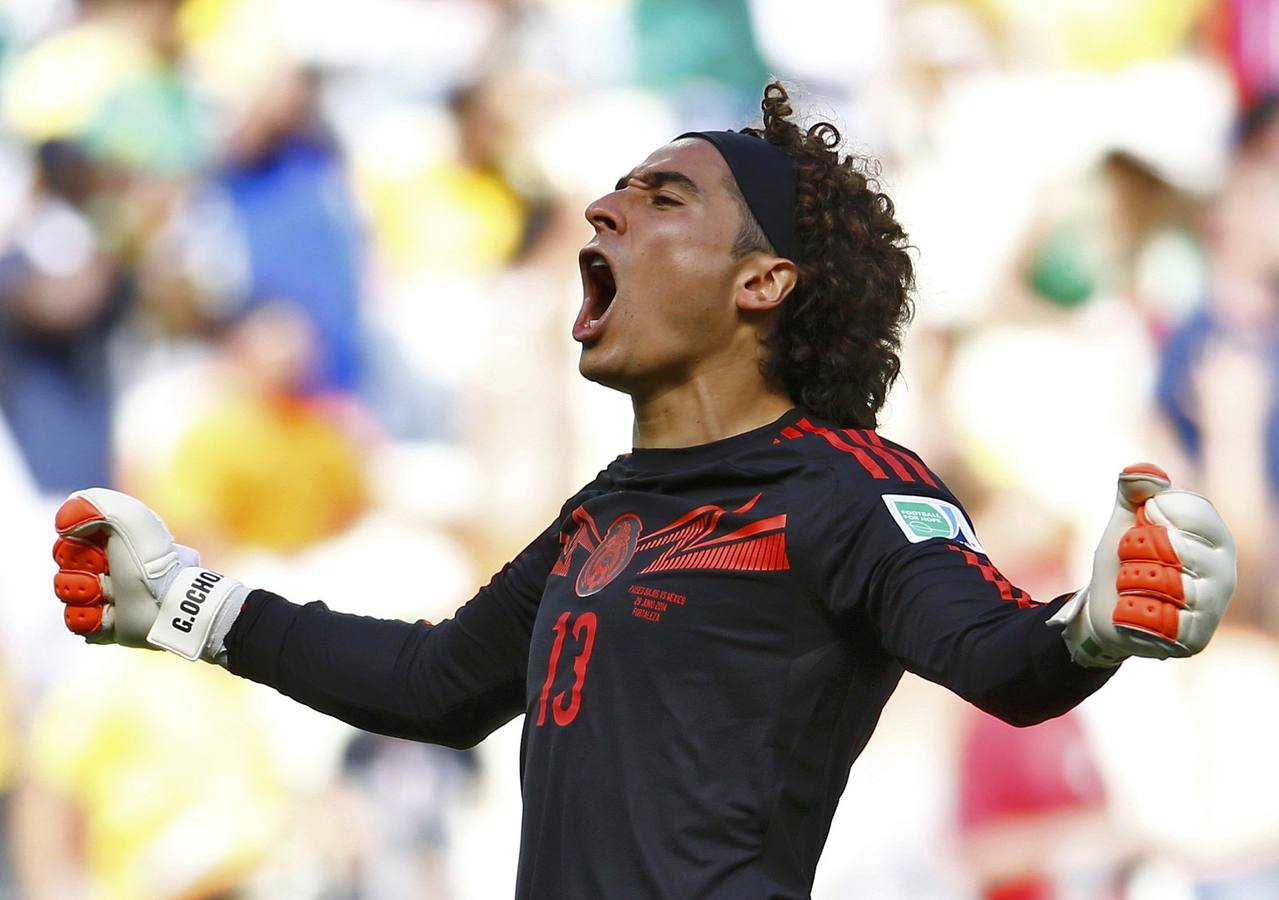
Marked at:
<point>1162,576</point>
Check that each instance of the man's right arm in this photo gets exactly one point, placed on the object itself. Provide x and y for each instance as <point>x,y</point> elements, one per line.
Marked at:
<point>452,683</point>
<point>125,581</point>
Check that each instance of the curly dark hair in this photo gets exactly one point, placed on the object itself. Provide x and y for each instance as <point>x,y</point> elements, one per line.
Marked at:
<point>835,346</point>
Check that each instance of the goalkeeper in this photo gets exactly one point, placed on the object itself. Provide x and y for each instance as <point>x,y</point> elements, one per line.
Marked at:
<point>702,640</point>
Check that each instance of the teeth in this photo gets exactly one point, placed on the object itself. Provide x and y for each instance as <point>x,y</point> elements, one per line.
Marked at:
<point>593,322</point>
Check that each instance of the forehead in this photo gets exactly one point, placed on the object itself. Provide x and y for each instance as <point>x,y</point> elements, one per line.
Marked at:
<point>693,157</point>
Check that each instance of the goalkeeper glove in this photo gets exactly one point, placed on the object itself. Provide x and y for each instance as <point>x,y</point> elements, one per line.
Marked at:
<point>1162,576</point>
<point>125,581</point>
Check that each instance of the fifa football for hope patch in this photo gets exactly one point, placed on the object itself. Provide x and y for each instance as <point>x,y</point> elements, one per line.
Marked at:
<point>923,518</point>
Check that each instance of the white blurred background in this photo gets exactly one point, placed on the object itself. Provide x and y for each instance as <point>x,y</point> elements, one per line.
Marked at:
<point>301,275</point>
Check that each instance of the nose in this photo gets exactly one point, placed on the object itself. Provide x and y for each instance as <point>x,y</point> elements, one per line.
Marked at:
<point>605,214</point>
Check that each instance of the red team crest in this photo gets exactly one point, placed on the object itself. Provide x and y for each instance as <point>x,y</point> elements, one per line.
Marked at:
<point>699,539</point>
<point>611,556</point>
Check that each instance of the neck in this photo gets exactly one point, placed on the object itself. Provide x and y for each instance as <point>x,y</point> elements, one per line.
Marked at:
<point>705,410</point>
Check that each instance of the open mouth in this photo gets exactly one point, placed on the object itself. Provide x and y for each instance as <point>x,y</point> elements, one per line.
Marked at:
<point>599,289</point>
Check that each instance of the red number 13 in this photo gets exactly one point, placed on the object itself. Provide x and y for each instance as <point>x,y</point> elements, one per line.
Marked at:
<point>566,713</point>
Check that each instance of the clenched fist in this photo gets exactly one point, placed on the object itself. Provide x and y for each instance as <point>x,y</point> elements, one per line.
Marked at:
<point>1162,576</point>
<point>125,581</point>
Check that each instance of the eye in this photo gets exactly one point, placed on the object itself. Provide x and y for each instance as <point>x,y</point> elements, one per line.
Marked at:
<point>665,200</point>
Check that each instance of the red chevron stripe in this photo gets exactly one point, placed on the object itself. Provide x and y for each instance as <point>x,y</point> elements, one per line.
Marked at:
<point>867,461</point>
<point>713,510</point>
<point>882,452</point>
<point>766,553</point>
<point>772,523</point>
<point>586,536</point>
<point>911,460</point>
<point>1007,590</point>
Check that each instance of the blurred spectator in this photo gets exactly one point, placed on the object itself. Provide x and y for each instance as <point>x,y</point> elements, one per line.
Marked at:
<point>286,186</point>
<point>703,55</point>
<point>1126,232</point>
<point>1213,840</point>
<point>451,220</point>
<point>465,213</point>
<point>1217,380</point>
<point>402,795</point>
<point>1032,817</point>
<point>144,780</point>
<point>1257,134</point>
<point>264,466</point>
<point>1245,32</point>
<point>1032,813</point>
<point>60,296</point>
<point>110,82</point>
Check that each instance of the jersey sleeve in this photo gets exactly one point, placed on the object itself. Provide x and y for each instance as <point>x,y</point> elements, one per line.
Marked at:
<point>904,562</point>
<point>452,683</point>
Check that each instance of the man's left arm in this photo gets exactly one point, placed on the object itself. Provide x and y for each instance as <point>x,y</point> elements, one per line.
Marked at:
<point>1163,573</point>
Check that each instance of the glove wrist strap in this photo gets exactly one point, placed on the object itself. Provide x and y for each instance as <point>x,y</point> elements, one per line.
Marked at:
<point>1086,648</point>
<point>190,608</point>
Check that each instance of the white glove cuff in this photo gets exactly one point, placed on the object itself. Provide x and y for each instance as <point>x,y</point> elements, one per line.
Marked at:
<point>1082,642</point>
<point>190,609</point>
<point>215,646</point>
<point>1070,609</point>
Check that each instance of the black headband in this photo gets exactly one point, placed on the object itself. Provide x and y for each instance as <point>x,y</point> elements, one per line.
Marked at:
<point>766,177</point>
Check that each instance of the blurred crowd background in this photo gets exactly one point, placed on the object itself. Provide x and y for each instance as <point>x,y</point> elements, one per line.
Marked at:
<point>301,275</point>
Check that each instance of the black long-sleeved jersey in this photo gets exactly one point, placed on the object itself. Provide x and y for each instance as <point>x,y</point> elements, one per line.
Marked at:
<point>701,644</point>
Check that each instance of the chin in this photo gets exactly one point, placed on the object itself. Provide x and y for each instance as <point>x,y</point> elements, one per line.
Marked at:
<point>594,368</point>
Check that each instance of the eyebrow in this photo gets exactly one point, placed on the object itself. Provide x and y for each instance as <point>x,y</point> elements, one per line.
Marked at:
<point>657,178</point>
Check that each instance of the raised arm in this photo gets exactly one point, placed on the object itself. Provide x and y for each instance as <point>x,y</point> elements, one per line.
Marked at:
<point>125,581</point>
<point>947,614</point>
<point>451,683</point>
<point>934,600</point>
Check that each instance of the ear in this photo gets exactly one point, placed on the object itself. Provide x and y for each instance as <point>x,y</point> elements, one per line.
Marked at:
<point>764,282</point>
